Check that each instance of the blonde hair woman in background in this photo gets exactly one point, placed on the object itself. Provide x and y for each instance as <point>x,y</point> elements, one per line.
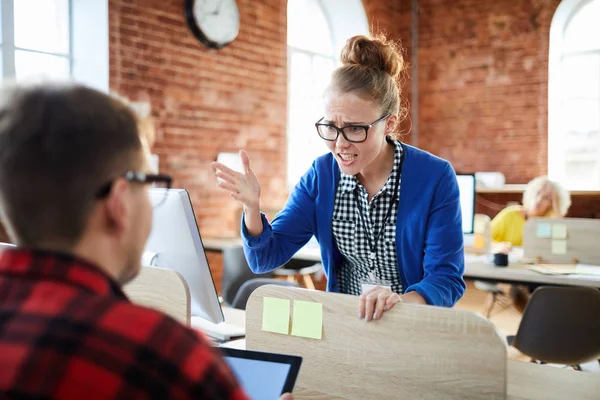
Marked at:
<point>386,215</point>
<point>542,198</point>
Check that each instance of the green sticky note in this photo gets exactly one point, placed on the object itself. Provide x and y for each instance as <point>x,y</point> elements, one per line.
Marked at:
<point>276,315</point>
<point>544,230</point>
<point>559,247</point>
<point>308,319</point>
<point>559,231</point>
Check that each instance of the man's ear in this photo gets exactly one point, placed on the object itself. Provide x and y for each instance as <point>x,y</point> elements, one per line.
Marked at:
<point>116,206</point>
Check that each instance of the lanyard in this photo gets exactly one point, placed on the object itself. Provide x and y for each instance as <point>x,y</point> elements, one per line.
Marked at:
<point>373,244</point>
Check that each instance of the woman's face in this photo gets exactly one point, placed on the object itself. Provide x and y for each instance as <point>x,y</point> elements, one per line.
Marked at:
<point>343,109</point>
<point>542,203</point>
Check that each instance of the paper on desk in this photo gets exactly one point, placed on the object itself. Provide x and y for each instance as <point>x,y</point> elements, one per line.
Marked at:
<point>276,315</point>
<point>544,230</point>
<point>308,319</point>
<point>559,231</point>
<point>559,247</point>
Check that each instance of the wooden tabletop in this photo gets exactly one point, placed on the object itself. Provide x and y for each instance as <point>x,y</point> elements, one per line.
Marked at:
<point>518,273</point>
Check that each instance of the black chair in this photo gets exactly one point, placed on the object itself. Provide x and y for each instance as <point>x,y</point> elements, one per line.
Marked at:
<point>235,272</point>
<point>560,325</point>
<point>243,294</point>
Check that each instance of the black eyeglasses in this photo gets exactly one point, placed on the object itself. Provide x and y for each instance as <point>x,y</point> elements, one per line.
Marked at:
<point>352,133</point>
<point>160,185</point>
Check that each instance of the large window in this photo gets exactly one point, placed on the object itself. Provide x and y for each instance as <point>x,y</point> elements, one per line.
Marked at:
<point>317,30</point>
<point>574,95</point>
<point>36,39</point>
<point>55,40</point>
<point>310,63</point>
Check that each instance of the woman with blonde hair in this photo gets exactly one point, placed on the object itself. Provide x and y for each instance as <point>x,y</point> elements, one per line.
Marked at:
<point>386,215</point>
<point>541,198</point>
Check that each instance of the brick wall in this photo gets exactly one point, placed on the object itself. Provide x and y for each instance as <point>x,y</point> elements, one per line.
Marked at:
<point>207,101</point>
<point>393,18</point>
<point>483,77</point>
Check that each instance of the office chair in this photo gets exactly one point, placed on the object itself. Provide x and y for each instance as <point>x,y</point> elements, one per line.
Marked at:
<point>560,325</point>
<point>235,272</point>
<point>241,298</point>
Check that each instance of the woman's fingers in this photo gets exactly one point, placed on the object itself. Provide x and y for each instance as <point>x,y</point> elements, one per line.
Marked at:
<point>391,301</point>
<point>225,177</point>
<point>225,169</point>
<point>373,303</point>
<point>245,160</point>
<point>228,186</point>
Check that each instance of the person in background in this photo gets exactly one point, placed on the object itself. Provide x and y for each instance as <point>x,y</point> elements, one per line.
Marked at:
<point>386,215</point>
<point>73,196</point>
<point>542,198</point>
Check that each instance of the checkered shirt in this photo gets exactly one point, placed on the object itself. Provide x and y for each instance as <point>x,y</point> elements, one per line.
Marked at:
<point>67,331</point>
<point>350,233</point>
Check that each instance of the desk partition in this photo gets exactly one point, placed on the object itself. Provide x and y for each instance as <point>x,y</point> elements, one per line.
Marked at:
<point>413,352</point>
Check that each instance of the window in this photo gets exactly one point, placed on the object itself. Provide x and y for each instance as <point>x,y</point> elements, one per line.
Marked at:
<point>310,63</point>
<point>317,31</point>
<point>36,39</point>
<point>574,95</point>
<point>55,40</point>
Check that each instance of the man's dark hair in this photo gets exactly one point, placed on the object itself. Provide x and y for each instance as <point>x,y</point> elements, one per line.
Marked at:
<point>59,144</point>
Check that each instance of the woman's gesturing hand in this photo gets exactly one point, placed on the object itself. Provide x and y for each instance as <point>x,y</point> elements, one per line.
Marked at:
<point>243,187</point>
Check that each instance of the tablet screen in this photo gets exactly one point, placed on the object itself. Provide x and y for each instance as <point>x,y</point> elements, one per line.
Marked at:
<point>264,376</point>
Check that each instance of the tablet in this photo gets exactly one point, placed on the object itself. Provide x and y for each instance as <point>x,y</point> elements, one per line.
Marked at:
<point>264,376</point>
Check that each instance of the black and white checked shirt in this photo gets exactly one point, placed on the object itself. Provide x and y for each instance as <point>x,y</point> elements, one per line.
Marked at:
<point>350,233</point>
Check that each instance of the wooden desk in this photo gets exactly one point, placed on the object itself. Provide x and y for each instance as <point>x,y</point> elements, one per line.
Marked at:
<point>527,381</point>
<point>515,273</point>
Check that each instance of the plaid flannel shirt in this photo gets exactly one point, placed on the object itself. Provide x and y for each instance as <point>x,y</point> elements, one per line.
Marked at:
<point>67,331</point>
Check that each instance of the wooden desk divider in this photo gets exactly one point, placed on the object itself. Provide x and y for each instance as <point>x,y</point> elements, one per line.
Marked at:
<point>575,241</point>
<point>413,352</point>
<point>162,289</point>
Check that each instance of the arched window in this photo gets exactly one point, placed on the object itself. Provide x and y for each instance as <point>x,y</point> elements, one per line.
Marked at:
<point>574,95</point>
<point>316,33</point>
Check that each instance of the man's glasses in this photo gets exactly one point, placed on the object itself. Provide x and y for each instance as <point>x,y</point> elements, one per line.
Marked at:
<point>159,185</point>
<point>352,133</point>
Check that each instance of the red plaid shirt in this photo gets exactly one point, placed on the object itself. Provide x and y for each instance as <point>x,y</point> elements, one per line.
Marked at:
<point>67,331</point>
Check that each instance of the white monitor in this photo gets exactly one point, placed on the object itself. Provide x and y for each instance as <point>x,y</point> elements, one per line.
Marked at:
<point>466,186</point>
<point>175,243</point>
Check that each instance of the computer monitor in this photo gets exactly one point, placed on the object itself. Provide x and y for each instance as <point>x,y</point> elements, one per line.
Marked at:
<point>175,243</point>
<point>466,186</point>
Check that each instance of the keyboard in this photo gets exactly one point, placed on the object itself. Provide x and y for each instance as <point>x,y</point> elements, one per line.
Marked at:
<point>221,331</point>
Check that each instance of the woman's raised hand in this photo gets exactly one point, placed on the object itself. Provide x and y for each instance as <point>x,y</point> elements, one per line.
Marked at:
<point>243,187</point>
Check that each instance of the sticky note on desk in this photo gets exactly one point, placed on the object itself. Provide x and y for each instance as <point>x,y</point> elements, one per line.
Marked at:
<point>544,230</point>
<point>276,315</point>
<point>308,319</point>
<point>559,231</point>
<point>559,247</point>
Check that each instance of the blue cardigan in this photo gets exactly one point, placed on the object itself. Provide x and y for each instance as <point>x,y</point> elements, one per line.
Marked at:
<point>429,239</point>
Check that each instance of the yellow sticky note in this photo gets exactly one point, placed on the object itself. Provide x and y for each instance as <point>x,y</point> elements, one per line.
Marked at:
<point>559,247</point>
<point>559,231</point>
<point>276,315</point>
<point>308,319</point>
<point>544,230</point>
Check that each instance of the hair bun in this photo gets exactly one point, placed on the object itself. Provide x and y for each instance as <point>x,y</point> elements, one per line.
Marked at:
<point>378,53</point>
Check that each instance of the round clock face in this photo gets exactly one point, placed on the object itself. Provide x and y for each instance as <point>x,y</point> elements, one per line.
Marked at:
<point>215,22</point>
